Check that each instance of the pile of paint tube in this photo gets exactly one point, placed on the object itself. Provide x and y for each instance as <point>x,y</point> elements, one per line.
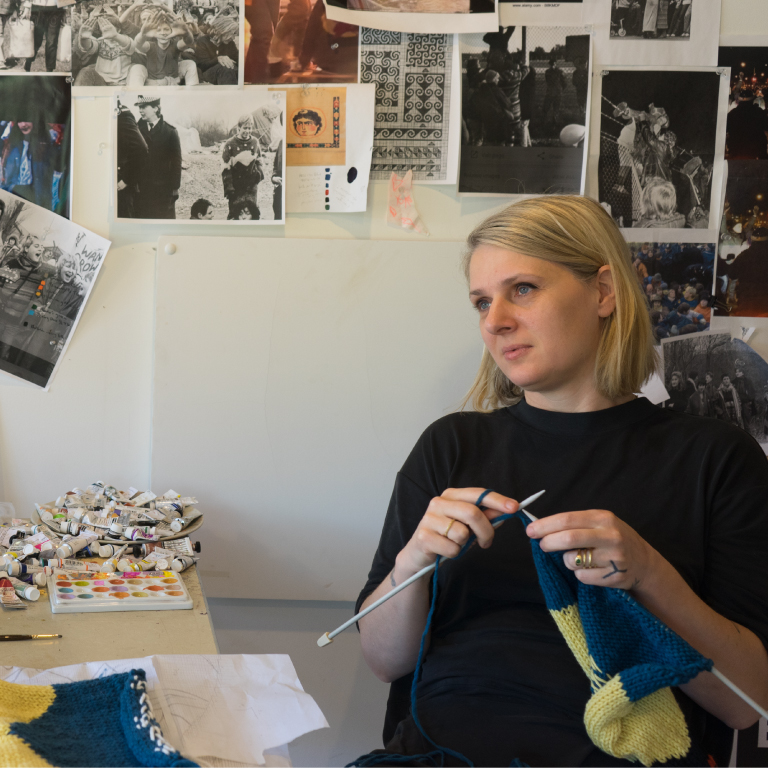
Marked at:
<point>130,528</point>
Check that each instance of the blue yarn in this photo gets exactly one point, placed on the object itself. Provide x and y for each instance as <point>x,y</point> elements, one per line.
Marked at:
<point>482,496</point>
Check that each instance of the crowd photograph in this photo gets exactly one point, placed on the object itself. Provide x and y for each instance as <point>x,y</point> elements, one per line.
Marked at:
<point>657,146</point>
<point>222,157</point>
<point>294,41</point>
<point>718,377</point>
<point>676,279</point>
<point>47,268</point>
<point>179,42</point>
<point>651,19</point>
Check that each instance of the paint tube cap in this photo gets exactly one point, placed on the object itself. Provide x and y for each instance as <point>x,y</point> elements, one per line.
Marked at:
<point>13,568</point>
<point>108,566</point>
<point>29,549</point>
<point>124,565</point>
<point>105,550</point>
<point>116,528</point>
<point>39,579</point>
<point>177,525</point>
<point>32,593</point>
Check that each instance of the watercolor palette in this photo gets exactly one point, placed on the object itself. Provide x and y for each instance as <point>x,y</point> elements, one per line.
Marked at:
<point>93,592</point>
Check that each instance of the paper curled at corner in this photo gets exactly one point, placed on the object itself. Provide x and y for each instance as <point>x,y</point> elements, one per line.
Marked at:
<point>401,209</point>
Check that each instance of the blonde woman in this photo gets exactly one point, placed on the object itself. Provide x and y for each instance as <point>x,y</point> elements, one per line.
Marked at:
<point>672,506</point>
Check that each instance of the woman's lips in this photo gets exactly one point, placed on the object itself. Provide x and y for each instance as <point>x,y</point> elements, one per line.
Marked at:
<point>515,351</point>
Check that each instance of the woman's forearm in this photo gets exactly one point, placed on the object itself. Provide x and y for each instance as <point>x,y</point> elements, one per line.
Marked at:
<point>736,651</point>
<point>391,635</point>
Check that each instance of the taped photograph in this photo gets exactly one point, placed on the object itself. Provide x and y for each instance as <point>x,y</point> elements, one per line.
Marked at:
<point>742,266</point>
<point>47,269</point>
<point>36,139</point>
<point>525,96</point>
<point>37,36</point>
<point>565,13</point>
<point>660,141</point>
<point>294,41</point>
<point>419,16</point>
<point>677,280</point>
<point>219,158</point>
<point>713,375</point>
<point>177,42</point>
<point>655,32</point>
<point>747,127</point>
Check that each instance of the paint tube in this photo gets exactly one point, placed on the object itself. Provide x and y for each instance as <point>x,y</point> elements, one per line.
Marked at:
<point>112,564</point>
<point>71,527</point>
<point>182,562</point>
<point>134,532</point>
<point>27,591</point>
<point>8,597</point>
<point>143,498</point>
<point>182,522</point>
<point>71,547</point>
<point>44,513</point>
<point>36,543</point>
<point>20,570</point>
<point>153,514</point>
<point>71,565</point>
<point>8,536</point>
<point>173,508</point>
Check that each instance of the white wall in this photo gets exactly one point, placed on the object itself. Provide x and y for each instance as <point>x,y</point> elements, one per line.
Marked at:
<point>94,423</point>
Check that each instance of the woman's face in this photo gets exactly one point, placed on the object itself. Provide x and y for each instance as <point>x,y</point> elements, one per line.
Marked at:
<point>540,323</point>
<point>67,270</point>
<point>244,215</point>
<point>26,128</point>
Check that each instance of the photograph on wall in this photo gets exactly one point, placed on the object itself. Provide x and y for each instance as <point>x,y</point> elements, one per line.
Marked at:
<point>417,126</point>
<point>171,42</point>
<point>747,125</point>
<point>294,41</point>
<point>420,16</point>
<point>742,267</point>
<point>676,279</point>
<point>669,32</point>
<point>48,266</point>
<point>713,375</point>
<point>36,139</point>
<point>36,37</point>
<point>218,158</point>
<point>660,147</point>
<point>561,13</point>
<point>316,125</point>
<point>525,110</point>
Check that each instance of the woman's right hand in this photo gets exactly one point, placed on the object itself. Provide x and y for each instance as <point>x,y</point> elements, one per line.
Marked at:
<point>448,523</point>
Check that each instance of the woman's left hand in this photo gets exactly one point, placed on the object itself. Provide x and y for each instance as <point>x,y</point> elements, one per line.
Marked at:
<point>620,556</point>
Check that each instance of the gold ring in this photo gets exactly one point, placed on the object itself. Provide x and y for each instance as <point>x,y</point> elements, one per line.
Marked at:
<point>583,558</point>
<point>448,528</point>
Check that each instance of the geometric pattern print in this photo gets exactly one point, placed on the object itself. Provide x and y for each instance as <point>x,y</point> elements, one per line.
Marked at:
<point>412,75</point>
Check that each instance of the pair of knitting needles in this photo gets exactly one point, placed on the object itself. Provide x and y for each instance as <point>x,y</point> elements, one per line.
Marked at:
<point>327,638</point>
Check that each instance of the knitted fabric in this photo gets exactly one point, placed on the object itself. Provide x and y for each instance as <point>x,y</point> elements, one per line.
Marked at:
<point>105,722</point>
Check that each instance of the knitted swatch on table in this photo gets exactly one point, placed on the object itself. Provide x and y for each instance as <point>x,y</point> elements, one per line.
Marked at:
<point>631,659</point>
<point>105,722</point>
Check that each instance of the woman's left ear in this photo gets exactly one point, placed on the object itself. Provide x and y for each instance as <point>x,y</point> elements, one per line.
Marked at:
<point>607,301</point>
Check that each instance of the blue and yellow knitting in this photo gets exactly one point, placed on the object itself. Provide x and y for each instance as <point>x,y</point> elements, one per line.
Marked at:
<point>104,722</point>
<point>631,659</point>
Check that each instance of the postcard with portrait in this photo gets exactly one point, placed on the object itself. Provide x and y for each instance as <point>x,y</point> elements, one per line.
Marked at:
<point>316,126</point>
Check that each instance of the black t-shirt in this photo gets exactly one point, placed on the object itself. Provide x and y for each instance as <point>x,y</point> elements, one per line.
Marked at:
<point>499,680</point>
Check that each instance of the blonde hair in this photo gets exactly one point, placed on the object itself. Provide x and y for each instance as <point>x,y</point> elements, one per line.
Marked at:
<point>659,199</point>
<point>578,234</point>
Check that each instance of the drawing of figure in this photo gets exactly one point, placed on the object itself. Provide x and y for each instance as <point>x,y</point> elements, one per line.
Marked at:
<point>307,123</point>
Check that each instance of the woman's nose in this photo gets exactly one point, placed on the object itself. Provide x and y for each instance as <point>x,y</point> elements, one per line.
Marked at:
<point>500,317</point>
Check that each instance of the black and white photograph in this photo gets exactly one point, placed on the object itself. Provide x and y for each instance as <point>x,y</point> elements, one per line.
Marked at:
<point>417,16</point>
<point>525,95</point>
<point>37,36</point>
<point>660,131</point>
<point>676,279</point>
<point>294,41</point>
<point>747,126</point>
<point>655,32</point>
<point>48,266</point>
<point>168,42</point>
<point>36,139</point>
<point>557,13</point>
<point>651,19</point>
<point>742,265</point>
<point>220,158</point>
<point>713,375</point>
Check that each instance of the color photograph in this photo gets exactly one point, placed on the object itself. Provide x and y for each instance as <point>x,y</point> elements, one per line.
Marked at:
<point>221,157</point>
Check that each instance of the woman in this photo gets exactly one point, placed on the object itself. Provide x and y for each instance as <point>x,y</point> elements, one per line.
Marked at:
<point>27,163</point>
<point>568,342</point>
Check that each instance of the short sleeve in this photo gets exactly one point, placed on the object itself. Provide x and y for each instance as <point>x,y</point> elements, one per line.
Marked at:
<point>736,569</point>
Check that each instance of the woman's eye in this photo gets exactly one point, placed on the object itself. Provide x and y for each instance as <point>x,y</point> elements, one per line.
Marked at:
<point>524,289</point>
<point>483,305</point>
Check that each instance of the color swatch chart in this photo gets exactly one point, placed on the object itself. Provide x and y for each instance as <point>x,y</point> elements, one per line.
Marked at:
<point>92,592</point>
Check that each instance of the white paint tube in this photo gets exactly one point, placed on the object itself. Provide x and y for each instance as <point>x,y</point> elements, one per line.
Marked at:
<point>182,562</point>
<point>44,513</point>
<point>8,535</point>
<point>182,522</point>
<point>71,527</point>
<point>143,498</point>
<point>170,494</point>
<point>111,565</point>
<point>20,570</point>
<point>8,597</point>
<point>27,591</point>
<point>71,565</point>
<point>36,543</point>
<point>134,532</point>
<point>71,547</point>
<point>174,546</point>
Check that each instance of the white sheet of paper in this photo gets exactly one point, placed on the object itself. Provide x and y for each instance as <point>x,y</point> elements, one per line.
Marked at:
<point>431,23</point>
<point>654,390</point>
<point>541,14</point>
<point>226,707</point>
<point>698,50</point>
<point>305,185</point>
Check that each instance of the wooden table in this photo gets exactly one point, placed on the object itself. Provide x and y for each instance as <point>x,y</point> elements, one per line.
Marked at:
<point>106,636</point>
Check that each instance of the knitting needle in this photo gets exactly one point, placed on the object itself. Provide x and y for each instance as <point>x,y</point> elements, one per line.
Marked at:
<point>27,637</point>
<point>752,703</point>
<point>327,638</point>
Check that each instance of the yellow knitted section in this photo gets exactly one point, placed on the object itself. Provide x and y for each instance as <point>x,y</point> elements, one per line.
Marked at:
<point>650,730</point>
<point>24,703</point>
<point>568,622</point>
<point>14,753</point>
